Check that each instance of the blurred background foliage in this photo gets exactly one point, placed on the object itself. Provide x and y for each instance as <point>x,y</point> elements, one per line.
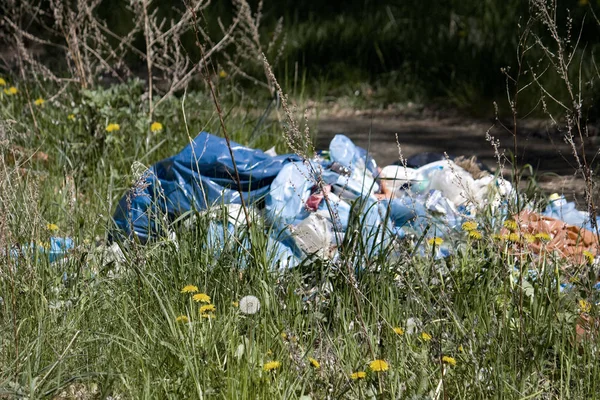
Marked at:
<point>449,52</point>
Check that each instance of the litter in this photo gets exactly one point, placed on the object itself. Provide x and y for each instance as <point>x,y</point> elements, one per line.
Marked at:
<point>563,210</point>
<point>309,207</point>
<point>568,240</point>
<point>54,249</point>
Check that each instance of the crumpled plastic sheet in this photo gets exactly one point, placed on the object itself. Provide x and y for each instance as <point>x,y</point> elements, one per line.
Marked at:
<point>198,177</point>
<point>570,241</point>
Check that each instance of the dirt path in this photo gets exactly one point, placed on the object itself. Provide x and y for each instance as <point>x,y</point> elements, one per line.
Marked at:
<point>425,131</point>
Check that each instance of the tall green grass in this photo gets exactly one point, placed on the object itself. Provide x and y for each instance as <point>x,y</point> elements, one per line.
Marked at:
<point>91,326</point>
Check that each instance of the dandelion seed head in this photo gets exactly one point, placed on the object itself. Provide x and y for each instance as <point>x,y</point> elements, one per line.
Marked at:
<point>249,305</point>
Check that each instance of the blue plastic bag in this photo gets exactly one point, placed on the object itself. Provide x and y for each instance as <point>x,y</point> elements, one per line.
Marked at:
<point>198,177</point>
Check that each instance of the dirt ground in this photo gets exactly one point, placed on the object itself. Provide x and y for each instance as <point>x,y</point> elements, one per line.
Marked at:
<point>420,130</point>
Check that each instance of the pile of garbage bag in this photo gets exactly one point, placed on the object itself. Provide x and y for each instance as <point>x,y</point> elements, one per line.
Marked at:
<point>307,207</point>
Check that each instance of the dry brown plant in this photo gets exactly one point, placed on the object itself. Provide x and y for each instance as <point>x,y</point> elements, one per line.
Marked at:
<point>561,53</point>
<point>92,52</point>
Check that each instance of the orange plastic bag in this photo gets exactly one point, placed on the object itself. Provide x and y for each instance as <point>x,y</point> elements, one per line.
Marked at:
<point>569,241</point>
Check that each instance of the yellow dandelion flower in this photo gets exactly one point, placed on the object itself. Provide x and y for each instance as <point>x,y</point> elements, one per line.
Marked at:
<point>585,306</point>
<point>11,91</point>
<point>207,308</point>
<point>71,117</point>
<point>183,319</point>
<point>358,375</point>
<point>511,225</point>
<point>543,236</point>
<point>399,330</point>
<point>189,289</point>
<point>426,336</point>
<point>529,238</point>
<point>112,127</point>
<point>201,298</point>
<point>449,360</point>
<point>222,74</point>
<point>156,127</point>
<point>590,257</point>
<point>469,226</point>
<point>52,227</point>
<point>476,235</point>
<point>39,101</point>
<point>461,348</point>
<point>271,365</point>
<point>435,240</point>
<point>284,335</point>
<point>314,363</point>
<point>379,366</point>
<point>208,316</point>
<point>235,303</point>
<point>2,82</point>
<point>514,237</point>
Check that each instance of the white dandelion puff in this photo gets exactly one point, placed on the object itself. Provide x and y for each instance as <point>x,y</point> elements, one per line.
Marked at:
<point>249,305</point>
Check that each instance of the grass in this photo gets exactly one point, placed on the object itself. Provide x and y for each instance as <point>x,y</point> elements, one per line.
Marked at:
<point>91,326</point>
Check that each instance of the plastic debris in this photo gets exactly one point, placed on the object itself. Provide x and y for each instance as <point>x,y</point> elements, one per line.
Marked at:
<point>309,207</point>
<point>570,241</point>
<point>561,209</point>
